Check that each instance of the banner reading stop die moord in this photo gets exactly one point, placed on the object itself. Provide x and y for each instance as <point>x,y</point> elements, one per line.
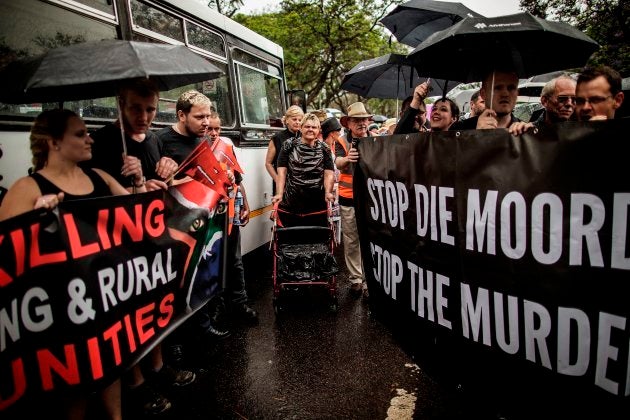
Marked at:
<point>514,249</point>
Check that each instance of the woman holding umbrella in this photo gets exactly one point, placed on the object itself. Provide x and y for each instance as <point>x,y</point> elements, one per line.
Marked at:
<point>444,113</point>
<point>59,141</point>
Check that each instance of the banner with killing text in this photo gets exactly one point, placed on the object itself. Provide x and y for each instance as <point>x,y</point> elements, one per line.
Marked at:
<point>88,289</point>
<point>507,255</point>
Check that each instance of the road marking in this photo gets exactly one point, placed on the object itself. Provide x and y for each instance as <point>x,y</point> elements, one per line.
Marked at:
<point>402,406</point>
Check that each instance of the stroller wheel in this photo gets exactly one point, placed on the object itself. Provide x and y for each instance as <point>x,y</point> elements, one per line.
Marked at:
<point>333,306</point>
<point>278,309</point>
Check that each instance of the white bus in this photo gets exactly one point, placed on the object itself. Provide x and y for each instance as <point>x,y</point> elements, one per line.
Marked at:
<point>251,96</point>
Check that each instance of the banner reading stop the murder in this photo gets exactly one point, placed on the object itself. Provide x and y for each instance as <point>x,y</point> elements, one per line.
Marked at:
<point>505,254</point>
<point>88,289</point>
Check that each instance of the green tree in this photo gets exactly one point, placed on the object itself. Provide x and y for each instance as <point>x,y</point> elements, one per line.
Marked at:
<point>226,7</point>
<point>322,40</point>
<point>606,21</point>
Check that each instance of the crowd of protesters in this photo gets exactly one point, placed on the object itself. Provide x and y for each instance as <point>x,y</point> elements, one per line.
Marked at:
<point>69,165</point>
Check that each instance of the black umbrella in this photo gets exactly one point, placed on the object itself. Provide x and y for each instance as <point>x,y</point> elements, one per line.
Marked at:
<point>546,77</point>
<point>390,76</point>
<point>530,45</point>
<point>95,69</point>
<point>414,21</point>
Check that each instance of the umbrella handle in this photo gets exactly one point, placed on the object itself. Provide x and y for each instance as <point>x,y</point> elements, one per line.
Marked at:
<point>122,127</point>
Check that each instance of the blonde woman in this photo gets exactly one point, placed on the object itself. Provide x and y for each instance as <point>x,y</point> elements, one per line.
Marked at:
<point>291,120</point>
<point>305,177</point>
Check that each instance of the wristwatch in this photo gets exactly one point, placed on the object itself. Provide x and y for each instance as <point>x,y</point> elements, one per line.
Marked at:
<point>141,184</point>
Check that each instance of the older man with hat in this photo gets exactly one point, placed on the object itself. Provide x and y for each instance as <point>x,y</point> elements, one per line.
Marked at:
<point>356,122</point>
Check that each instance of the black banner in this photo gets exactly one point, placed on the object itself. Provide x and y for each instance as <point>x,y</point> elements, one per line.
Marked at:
<point>504,260</point>
<point>90,288</point>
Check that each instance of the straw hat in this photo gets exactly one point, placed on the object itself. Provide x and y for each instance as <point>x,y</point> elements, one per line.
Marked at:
<point>355,110</point>
<point>389,122</point>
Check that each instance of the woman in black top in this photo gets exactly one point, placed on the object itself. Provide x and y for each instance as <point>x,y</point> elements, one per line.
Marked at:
<point>59,141</point>
<point>305,177</point>
<point>292,120</point>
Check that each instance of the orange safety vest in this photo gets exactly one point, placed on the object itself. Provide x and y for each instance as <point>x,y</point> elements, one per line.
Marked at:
<point>345,177</point>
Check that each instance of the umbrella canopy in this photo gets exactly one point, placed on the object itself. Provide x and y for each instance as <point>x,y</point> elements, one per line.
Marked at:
<point>546,77</point>
<point>530,45</point>
<point>414,21</point>
<point>390,76</point>
<point>95,69</point>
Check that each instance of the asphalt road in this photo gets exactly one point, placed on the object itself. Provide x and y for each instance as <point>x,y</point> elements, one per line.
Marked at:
<point>308,363</point>
<point>311,363</point>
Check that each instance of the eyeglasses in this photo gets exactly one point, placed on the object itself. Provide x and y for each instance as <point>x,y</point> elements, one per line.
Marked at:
<point>563,99</point>
<point>593,100</point>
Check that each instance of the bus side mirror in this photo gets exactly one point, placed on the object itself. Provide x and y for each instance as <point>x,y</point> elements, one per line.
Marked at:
<point>298,97</point>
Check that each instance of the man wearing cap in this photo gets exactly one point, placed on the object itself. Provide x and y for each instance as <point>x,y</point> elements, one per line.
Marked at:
<point>346,155</point>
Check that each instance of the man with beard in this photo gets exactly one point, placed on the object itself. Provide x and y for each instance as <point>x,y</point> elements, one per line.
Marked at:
<point>499,88</point>
<point>195,120</point>
<point>193,112</point>
<point>346,156</point>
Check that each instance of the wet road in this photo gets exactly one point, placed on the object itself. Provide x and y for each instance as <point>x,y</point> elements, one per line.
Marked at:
<point>308,363</point>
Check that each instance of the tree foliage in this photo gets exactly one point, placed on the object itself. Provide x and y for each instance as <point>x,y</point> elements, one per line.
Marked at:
<point>606,21</point>
<point>226,7</point>
<point>322,40</point>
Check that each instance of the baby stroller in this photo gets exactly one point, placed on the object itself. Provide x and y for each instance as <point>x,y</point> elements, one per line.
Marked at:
<point>303,257</point>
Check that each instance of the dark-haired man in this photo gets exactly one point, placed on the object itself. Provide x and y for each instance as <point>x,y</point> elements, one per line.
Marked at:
<point>598,93</point>
<point>413,112</point>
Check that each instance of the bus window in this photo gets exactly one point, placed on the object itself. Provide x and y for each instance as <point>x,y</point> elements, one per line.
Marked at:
<point>102,5</point>
<point>147,18</point>
<point>55,27</point>
<point>216,89</point>
<point>204,39</point>
<point>298,97</point>
<point>260,93</point>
